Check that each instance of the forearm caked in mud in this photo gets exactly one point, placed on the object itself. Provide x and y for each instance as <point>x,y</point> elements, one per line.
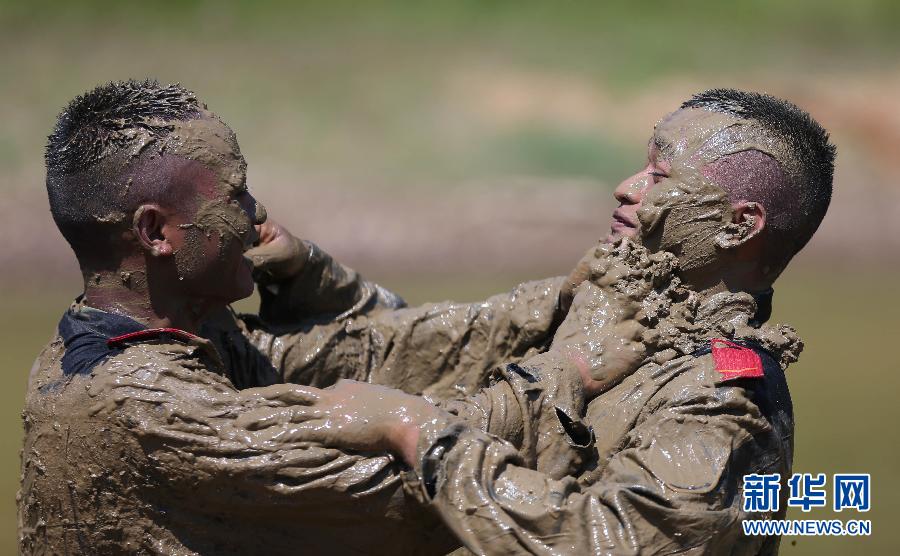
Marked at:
<point>311,285</point>
<point>444,350</point>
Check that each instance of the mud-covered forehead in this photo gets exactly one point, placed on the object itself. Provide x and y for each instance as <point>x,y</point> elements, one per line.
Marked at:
<point>694,137</point>
<point>210,142</point>
<point>684,211</point>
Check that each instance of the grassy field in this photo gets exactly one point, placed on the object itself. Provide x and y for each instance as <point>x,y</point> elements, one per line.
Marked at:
<point>413,92</point>
<point>844,387</point>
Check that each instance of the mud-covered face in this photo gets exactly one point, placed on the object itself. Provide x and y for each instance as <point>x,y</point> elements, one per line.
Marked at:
<point>682,211</point>
<point>670,204</point>
<point>219,227</point>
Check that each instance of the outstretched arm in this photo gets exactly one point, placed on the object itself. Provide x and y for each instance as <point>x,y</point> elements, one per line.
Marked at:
<point>227,443</point>
<point>321,322</point>
<point>299,281</point>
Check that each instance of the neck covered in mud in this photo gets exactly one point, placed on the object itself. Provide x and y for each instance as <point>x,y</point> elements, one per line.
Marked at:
<point>126,292</point>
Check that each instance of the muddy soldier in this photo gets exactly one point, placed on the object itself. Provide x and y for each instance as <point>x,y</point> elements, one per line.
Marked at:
<point>145,417</point>
<point>736,184</point>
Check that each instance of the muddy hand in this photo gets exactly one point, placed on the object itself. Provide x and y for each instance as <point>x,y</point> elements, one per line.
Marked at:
<point>279,254</point>
<point>579,274</point>
<point>602,335</point>
<point>603,264</point>
<point>361,416</point>
<point>606,328</point>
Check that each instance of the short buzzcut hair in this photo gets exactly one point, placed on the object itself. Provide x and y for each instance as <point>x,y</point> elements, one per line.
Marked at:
<point>794,214</point>
<point>92,153</point>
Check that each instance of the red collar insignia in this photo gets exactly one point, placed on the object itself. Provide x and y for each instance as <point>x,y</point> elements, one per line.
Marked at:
<point>735,361</point>
<point>152,334</point>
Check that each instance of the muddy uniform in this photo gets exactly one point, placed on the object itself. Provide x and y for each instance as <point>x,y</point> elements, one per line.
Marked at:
<point>673,442</point>
<point>142,441</point>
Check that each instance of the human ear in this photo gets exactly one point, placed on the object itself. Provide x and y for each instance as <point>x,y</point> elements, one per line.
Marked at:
<point>148,227</point>
<point>747,221</point>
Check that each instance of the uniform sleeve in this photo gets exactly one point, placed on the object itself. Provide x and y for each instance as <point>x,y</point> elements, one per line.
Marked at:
<point>301,312</point>
<point>674,486</point>
<point>448,350</point>
<point>445,350</point>
<point>208,445</point>
<point>322,287</point>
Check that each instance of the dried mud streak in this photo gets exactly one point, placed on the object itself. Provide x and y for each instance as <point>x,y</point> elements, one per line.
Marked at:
<point>207,140</point>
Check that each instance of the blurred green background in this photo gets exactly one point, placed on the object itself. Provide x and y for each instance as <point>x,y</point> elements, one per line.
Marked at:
<point>452,149</point>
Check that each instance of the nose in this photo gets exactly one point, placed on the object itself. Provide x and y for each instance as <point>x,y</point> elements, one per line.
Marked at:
<point>255,210</point>
<point>259,213</point>
<point>631,190</point>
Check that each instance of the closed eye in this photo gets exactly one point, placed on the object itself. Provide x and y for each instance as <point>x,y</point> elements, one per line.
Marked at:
<point>657,176</point>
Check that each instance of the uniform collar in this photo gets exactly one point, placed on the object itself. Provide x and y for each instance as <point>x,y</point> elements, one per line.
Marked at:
<point>763,301</point>
<point>91,336</point>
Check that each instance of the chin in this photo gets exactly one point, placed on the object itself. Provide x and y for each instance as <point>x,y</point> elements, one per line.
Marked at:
<point>234,294</point>
<point>617,233</point>
<point>244,287</point>
<point>243,293</point>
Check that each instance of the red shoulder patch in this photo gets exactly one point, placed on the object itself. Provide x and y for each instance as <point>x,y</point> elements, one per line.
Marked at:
<point>735,361</point>
<point>151,334</point>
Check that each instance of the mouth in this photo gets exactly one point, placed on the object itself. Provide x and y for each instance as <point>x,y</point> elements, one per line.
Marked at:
<point>622,221</point>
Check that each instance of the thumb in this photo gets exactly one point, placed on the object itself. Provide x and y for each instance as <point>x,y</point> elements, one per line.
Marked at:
<point>280,258</point>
